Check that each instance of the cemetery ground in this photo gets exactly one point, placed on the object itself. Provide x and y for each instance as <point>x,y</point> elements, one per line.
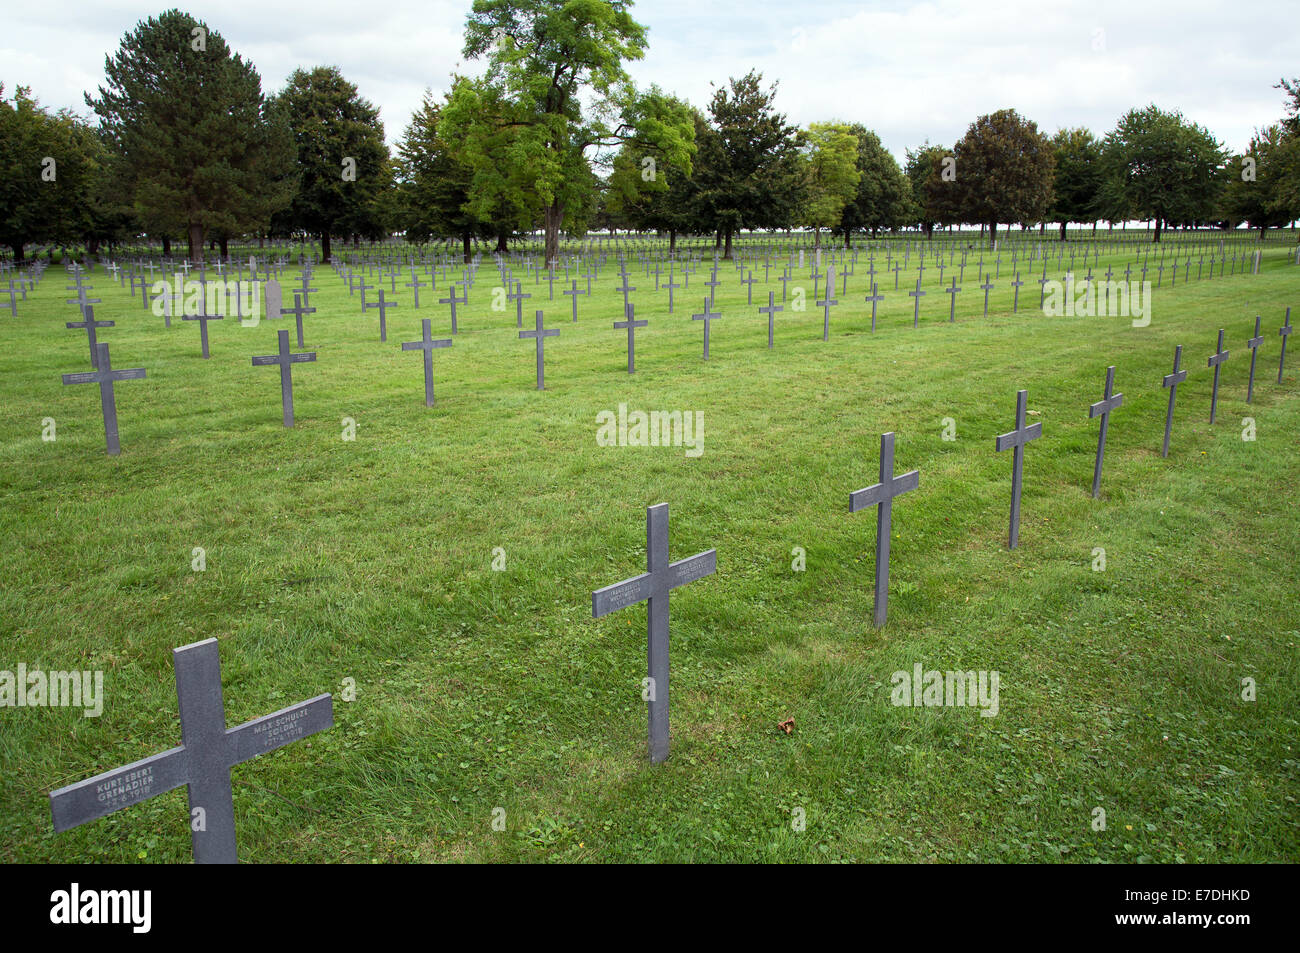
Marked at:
<point>479,689</point>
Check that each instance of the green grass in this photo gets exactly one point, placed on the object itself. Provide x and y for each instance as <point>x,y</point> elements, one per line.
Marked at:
<point>371,560</point>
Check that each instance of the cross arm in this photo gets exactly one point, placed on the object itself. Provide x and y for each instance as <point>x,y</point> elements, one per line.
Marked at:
<point>692,568</point>
<point>1018,437</point>
<point>620,595</point>
<point>279,729</point>
<point>870,496</point>
<point>97,797</point>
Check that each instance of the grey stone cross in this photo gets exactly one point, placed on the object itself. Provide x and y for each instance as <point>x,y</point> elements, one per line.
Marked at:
<point>1285,332</point>
<point>1172,381</point>
<point>881,495</point>
<point>298,310</point>
<point>875,298</point>
<point>202,762</point>
<point>104,376</point>
<point>952,300</point>
<point>89,323</point>
<point>286,362</point>
<point>426,344</point>
<point>916,297</point>
<point>825,304</point>
<point>1017,439</point>
<point>1216,362</point>
<point>518,297</point>
<point>203,318</point>
<point>383,307</point>
<point>654,585</point>
<point>1253,344</point>
<point>631,324</point>
<point>1102,408</point>
<point>453,301</point>
<point>706,317</point>
<point>770,311</point>
<point>540,336</point>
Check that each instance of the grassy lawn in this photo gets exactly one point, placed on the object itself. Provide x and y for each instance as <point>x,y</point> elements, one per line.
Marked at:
<point>476,689</point>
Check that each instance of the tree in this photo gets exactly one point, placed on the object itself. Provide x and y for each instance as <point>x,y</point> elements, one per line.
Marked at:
<point>47,166</point>
<point>555,97</point>
<point>1160,166</point>
<point>1258,186</point>
<point>433,184</point>
<point>640,195</point>
<point>931,172</point>
<point>750,173</point>
<point>830,152</point>
<point>188,123</point>
<point>341,156</point>
<point>1077,185</point>
<point>883,198</point>
<point>1004,169</point>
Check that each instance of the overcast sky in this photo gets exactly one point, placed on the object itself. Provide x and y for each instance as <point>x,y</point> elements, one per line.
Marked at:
<point>910,71</point>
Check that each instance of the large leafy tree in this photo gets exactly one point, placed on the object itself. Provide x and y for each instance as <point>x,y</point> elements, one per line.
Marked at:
<point>342,159</point>
<point>934,190</point>
<point>48,165</point>
<point>555,101</point>
<point>642,195</point>
<point>1258,185</point>
<point>883,198</point>
<point>830,152</point>
<point>1077,184</point>
<point>1160,166</point>
<point>190,129</point>
<point>750,173</point>
<point>1004,169</point>
<point>433,183</point>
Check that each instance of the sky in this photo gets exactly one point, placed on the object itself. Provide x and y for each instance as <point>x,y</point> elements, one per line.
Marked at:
<point>910,71</point>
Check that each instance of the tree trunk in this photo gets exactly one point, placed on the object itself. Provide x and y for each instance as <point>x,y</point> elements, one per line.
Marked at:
<point>817,237</point>
<point>196,242</point>
<point>717,240</point>
<point>18,250</point>
<point>1156,239</point>
<point>325,247</point>
<point>502,245</point>
<point>465,239</point>
<point>672,241</point>
<point>726,251</point>
<point>225,247</point>
<point>993,234</point>
<point>261,239</point>
<point>554,215</point>
<point>848,238</point>
<point>1262,229</point>
<point>1063,231</point>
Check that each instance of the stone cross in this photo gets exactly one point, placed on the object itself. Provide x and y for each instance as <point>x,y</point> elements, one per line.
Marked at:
<point>202,762</point>
<point>627,289</point>
<point>1172,381</point>
<point>518,297</point>
<point>881,495</point>
<point>1285,332</point>
<point>286,362</point>
<point>383,307</point>
<point>770,311</point>
<point>916,297</point>
<point>875,298</point>
<point>453,301</point>
<point>952,300</point>
<point>540,336</point>
<point>654,585</point>
<point>574,295</point>
<point>1253,344</point>
<point>89,323</point>
<point>987,286</point>
<point>1017,439</point>
<point>706,317</point>
<point>631,324</point>
<point>749,286</point>
<point>1015,303</point>
<point>104,376</point>
<point>1102,409</point>
<point>415,285</point>
<point>427,344</point>
<point>825,305</point>
<point>203,318</point>
<point>1216,362</point>
<point>298,310</point>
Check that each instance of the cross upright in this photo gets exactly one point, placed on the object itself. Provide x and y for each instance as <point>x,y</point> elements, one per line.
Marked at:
<point>426,344</point>
<point>626,289</point>
<point>298,310</point>
<point>748,282</point>
<point>286,362</point>
<point>1253,344</point>
<point>916,297</point>
<point>1285,332</point>
<point>952,299</point>
<point>453,301</point>
<point>706,317</point>
<point>383,307</point>
<point>881,496</point>
<point>203,318</point>
<point>202,762</point>
<point>518,296</point>
<point>712,285</point>
<point>415,285</point>
<point>540,336</point>
<point>1216,362</point>
<point>104,376</point>
<point>1171,381</point>
<point>574,295</point>
<point>826,303</point>
<point>670,284</point>
<point>1102,409</point>
<point>89,323</point>
<point>631,324</point>
<point>987,286</point>
<point>654,585</point>
<point>1017,439</point>
<point>550,279</point>
<point>770,311</point>
<point>1015,303</point>
<point>875,298</point>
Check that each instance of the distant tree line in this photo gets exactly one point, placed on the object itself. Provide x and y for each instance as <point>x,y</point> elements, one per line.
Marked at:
<point>186,146</point>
